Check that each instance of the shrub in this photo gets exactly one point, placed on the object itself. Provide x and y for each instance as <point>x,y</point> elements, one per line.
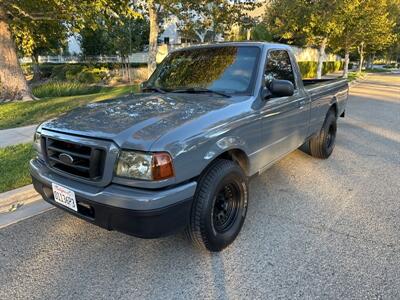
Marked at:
<point>46,70</point>
<point>26,69</point>
<point>390,66</point>
<point>308,69</point>
<point>72,72</point>
<point>60,89</point>
<point>93,75</point>
<point>332,66</point>
<point>59,72</point>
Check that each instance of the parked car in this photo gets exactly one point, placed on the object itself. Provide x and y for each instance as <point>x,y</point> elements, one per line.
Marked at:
<point>180,153</point>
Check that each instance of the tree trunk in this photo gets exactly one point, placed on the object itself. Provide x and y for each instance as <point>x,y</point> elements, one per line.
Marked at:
<point>372,61</point>
<point>321,58</point>
<point>153,38</point>
<point>346,63</point>
<point>361,52</point>
<point>37,75</point>
<point>248,34</point>
<point>13,85</point>
<point>201,36</point>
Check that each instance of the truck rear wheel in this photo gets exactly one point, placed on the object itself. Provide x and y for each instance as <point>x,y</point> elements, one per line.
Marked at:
<point>321,146</point>
<point>219,206</point>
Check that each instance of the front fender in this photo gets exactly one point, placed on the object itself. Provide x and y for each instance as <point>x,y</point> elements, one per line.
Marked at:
<point>191,158</point>
<point>225,144</point>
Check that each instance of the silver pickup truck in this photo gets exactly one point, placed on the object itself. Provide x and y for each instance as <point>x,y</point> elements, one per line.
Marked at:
<point>180,153</point>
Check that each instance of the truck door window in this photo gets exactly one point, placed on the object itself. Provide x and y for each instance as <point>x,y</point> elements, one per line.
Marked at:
<point>279,66</point>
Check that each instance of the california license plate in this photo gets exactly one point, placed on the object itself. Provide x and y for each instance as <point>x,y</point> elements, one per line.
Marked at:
<point>64,196</point>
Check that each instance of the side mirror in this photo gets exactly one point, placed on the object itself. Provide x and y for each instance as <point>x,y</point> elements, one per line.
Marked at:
<point>281,88</point>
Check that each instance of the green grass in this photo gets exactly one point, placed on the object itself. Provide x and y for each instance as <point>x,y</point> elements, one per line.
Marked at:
<point>65,88</point>
<point>16,114</point>
<point>14,162</point>
<point>355,75</point>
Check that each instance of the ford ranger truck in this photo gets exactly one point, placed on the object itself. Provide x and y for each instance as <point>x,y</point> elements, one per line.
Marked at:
<point>178,155</point>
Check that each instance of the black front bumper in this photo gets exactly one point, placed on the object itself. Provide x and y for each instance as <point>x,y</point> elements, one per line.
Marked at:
<point>152,223</point>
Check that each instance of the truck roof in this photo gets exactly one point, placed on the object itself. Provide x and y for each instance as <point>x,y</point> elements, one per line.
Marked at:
<point>238,44</point>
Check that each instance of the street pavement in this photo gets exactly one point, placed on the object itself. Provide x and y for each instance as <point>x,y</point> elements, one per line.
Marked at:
<point>315,229</point>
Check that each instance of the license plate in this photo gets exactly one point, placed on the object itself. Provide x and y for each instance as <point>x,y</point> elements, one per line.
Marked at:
<point>64,196</point>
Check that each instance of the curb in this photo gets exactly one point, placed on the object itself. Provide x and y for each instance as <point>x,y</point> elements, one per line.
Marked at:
<point>14,199</point>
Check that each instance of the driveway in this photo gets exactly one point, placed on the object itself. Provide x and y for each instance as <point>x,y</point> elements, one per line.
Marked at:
<point>315,228</point>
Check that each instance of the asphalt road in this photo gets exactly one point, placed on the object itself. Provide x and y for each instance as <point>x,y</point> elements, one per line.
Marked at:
<point>326,229</point>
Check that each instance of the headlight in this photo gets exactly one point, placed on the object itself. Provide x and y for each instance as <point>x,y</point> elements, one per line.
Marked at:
<point>144,166</point>
<point>37,141</point>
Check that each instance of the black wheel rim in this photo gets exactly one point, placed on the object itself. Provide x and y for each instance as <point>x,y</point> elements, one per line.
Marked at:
<point>330,139</point>
<point>226,207</point>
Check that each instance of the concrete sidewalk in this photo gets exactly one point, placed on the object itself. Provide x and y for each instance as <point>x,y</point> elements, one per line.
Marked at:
<point>17,135</point>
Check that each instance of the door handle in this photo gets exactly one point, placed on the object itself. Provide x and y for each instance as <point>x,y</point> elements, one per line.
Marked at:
<point>302,103</point>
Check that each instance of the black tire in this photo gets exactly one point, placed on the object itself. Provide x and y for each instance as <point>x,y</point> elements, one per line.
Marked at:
<point>219,206</point>
<point>322,145</point>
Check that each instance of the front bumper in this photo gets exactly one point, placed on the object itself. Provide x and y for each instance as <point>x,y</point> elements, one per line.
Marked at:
<point>138,212</point>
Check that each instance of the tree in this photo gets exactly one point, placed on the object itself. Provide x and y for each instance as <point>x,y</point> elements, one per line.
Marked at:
<point>260,33</point>
<point>348,16</point>
<point>153,10</point>
<point>70,12</point>
<point>95,41</point>
<point>393,52</point>
<point>375,28</point>
<point>210,19</point>
<point>39,38</point>
<point>12,81</point>
<point>304,22</point>
<point>197,18</point>
<point>123,36</point>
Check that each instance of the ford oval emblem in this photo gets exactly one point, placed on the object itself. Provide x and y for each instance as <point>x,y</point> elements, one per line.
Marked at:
<point>66,158</point>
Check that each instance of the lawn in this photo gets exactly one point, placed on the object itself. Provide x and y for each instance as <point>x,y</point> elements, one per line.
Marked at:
<point>14,166</point>
<point>18,114</point>
<point>355,75</point>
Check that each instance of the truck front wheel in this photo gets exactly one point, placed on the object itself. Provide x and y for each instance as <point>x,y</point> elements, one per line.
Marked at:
<point>321,146</point>
<point>219,206</point>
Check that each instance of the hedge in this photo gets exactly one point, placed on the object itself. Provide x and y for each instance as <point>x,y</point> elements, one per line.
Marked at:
<point>308,69</point>
<point>60,71</point>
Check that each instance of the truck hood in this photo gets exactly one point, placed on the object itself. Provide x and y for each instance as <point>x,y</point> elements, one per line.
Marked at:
<point>136,120</point>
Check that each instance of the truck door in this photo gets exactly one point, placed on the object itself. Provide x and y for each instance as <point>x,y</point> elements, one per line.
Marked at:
<point>285,119</point>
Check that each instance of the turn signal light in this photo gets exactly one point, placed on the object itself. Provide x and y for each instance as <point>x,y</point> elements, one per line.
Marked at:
<point>162,166</point>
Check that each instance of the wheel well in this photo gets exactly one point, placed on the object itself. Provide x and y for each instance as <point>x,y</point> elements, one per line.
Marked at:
<point>238,156</point>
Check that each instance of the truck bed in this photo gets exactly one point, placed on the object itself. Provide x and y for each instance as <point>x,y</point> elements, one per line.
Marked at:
<point>307,82</point>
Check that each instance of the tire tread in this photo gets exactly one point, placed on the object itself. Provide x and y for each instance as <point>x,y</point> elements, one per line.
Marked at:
<point>196,229</point>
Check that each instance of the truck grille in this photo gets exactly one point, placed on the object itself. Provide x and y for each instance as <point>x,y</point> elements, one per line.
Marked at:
<point>76,159</point>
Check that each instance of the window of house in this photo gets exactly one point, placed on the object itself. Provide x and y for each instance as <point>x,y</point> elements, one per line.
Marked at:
<point>166,40</point>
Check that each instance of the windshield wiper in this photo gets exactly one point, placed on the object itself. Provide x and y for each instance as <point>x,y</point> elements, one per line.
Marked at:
<point>200,90</point>
<point>153,89</point>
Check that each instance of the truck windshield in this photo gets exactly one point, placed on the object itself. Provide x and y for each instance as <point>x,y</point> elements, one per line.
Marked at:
<point>227,69</point>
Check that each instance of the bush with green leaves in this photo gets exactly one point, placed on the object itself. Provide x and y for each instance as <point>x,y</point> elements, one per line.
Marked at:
<point>62,88</point>
<point>308,69</point>
<point>93,75</point>
<point>72,71</point>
